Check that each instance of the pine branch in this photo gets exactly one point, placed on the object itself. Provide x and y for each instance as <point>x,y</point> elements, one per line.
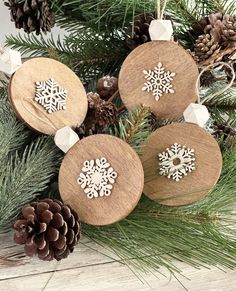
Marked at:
<point>134,127</point>
<point>25,170</point>
<point>155,236</point>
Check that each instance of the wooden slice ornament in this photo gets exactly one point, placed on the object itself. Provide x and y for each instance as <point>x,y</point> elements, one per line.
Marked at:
<point>47,95</point>
<point>182,163</point>
<point>160,75</point>
<point>102,178</point>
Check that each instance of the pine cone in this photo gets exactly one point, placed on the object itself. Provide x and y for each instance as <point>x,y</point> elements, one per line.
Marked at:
<point>139,33</point>
<point>48,228</point>
<point>107,86</point>
<point>229,29</point>
<point>223,131</point>
<point>205,46</point>
<point>85,130</point>
<point>93,100</point>
<point>32,15</point>
<point>105,114</point>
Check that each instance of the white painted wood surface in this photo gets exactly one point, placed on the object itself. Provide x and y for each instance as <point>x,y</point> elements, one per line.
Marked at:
<point>90,268</point>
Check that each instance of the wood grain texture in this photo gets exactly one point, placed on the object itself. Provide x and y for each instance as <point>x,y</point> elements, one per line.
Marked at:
<point>175,59</point>
<point>22,92</point>
<point>127,188</point>
<point>195,185</point>
<point>90,269</point>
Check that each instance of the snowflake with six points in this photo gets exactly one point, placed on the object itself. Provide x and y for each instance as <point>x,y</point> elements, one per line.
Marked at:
<point>158,81</point>
<point>50,95</point>
<point>176,162</point>
<point>97,178</point>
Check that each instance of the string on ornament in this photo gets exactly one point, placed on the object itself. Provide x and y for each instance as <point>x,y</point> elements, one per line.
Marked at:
<point>220,92</point>
<point>160,12</point>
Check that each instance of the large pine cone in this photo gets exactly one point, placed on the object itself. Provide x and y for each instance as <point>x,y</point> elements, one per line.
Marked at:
<point>229,29</point>
<point>48,228</point>
<point>32,15</point>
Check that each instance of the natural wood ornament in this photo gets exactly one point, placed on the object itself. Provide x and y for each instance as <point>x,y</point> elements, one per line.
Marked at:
<point>47,95</point>
<point>160,75</point>
<point>102,178</point>
<point>189,146</point>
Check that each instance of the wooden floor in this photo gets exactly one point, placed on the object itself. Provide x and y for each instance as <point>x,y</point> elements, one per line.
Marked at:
<point>91,268</point>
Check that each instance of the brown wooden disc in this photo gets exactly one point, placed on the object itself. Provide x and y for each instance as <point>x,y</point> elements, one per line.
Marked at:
<point>22,90</point>
<point>174,59</point>
<point>127,188</point>
<point>194,186</point>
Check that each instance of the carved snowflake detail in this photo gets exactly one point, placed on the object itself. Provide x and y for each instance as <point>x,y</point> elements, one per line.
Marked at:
<point>158,81</point>
<point>97,178</point>
<point>176,162</point>
<point>50,95</point>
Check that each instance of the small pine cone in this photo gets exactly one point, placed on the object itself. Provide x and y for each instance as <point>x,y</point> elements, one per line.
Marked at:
<point>48,228</point>
<point>107,86</point>
<point>139,34</point>
<point>93,100</point>
<point>223,131</point>
<point>205,46</point>
<point>32,15</point>
<point>84,131</point>
<point>207,79</point>
<point>105,114</point>
<point>229,29</point>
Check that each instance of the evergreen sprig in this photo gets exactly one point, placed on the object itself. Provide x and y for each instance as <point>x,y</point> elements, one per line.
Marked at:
<point>26,166</point>
<point>134,127</point>
<point>155,236</point>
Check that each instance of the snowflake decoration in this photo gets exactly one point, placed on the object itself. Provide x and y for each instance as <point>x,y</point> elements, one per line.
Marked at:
<point>158,81</point>
<point>97,178</point>
<point>176,162</point>
<point>50,95</point>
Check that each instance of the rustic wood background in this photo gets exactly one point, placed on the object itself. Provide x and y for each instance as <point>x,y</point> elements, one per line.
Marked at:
<point>91,268</point>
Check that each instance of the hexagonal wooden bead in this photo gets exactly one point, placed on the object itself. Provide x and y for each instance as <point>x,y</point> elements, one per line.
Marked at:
<point>161,30</point>
<point>196,113</point>
<point>10,61</point>
<point>65,138</point>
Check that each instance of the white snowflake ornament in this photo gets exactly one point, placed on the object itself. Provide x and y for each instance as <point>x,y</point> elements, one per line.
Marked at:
<point>158,81</point>
<point>97,178</point>
<point>50,95</point>
<point>176,162</point>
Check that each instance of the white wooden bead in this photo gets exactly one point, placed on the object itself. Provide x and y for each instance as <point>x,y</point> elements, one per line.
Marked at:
<point>161,29</point>
<point>65,138</point>
<point>196,113</point>
<point>10,61</point>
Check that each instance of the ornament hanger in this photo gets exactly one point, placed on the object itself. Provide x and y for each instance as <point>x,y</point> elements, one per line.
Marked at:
<point>160,12</point>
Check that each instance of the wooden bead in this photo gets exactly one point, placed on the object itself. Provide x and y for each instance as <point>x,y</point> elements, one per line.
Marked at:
<point>161,29</point>
<point>65,138</point>
<point>198,183</point>
<point>125,181</point>
<point>27,82</point>
<point>176,61</point>
<point>196,113</point>
<point>10,61</point>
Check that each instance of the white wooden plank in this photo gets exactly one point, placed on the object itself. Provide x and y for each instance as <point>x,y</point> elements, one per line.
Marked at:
<point>82,256</point>
<point>116,277</point>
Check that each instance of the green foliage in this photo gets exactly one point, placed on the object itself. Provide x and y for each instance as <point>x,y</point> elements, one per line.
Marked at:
<point>26,166</point>
<point>155,236</point>
<point>134,127</point>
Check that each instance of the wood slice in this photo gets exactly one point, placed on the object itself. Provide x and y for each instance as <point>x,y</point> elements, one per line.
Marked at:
<point>196,184</point>
<point>174,59</point>
<point>127,188</point>
<point>22,91</point>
